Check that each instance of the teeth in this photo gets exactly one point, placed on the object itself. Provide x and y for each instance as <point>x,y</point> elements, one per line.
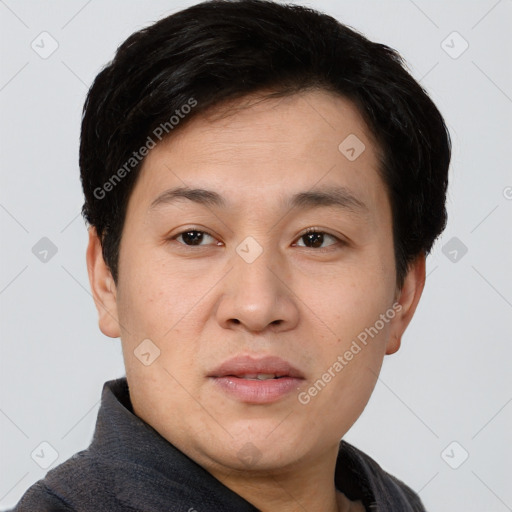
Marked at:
<point>258,376</point>
<point>265,376</point>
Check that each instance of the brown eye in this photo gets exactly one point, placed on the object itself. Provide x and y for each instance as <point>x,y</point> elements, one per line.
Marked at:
<point>315,239</point>
<point>192,237</point>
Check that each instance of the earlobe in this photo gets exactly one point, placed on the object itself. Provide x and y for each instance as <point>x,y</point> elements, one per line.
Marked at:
<point>103,287</point>
<point>406,302</point>
<point>393,345</point>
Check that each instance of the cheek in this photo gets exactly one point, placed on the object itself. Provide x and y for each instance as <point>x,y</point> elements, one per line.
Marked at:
<point>351,301</point>
<point>153,295</point>
<point>167,306</point>
<point>347,371</point>
<point>357,310</point>
<point>154,312</point>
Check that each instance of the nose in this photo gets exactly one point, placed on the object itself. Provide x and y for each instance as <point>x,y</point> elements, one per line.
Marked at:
<point>258,295</point>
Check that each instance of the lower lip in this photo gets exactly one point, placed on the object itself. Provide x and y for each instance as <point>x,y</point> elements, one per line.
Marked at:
<point>258,391</point>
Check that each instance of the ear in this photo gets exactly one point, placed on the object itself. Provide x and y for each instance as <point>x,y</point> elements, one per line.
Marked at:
<point>407,300</point>
<point>103,287</point>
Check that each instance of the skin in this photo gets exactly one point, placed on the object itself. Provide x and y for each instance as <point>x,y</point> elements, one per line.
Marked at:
<point>202,305</point>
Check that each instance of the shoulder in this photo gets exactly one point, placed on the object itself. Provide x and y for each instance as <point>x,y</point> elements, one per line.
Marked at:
<point>93,482</point>
<point>382,490</point>
<point>77,484</point>
<point>40,497</point>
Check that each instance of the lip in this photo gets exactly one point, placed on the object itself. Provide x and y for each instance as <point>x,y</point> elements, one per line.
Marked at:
<point>228,377</point>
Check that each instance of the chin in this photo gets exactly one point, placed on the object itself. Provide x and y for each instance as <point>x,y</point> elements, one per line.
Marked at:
<point>250,457</point>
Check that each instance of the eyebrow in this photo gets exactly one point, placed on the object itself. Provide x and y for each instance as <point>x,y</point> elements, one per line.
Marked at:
<point>327,196</point>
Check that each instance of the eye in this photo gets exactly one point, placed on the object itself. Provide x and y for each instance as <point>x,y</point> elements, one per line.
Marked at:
<point>314,238</point>
<point>192,237</point>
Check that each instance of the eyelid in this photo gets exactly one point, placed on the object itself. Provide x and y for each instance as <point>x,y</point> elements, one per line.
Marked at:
<point>316,230</point>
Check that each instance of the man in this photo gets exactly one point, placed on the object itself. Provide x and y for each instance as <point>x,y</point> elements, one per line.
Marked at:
<point>262,186</point>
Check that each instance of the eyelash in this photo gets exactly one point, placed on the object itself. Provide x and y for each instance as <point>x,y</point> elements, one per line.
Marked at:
<point>338,241</point>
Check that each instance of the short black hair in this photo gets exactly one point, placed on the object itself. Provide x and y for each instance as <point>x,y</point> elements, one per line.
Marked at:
<point>223,50</point>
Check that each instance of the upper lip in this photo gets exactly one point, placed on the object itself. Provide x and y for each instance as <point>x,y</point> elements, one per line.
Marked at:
<point>244,365</point>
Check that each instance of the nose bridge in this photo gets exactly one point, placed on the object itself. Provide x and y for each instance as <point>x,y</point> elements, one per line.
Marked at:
<point>256,265</point>
<point>255,295</point>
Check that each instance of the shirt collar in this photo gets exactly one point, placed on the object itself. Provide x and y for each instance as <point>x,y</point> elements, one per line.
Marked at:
<point>131,442</point>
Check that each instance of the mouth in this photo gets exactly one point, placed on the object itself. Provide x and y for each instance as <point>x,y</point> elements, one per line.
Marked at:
<point>256,380</point>
<point>258,376</point>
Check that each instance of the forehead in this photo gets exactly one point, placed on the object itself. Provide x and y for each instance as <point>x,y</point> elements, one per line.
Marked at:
<point>262,148</point>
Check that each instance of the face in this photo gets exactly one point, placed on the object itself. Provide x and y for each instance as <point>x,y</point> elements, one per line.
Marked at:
<point>256,303</point>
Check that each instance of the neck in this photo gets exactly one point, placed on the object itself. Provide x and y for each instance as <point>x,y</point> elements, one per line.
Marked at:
<point>310,487</point>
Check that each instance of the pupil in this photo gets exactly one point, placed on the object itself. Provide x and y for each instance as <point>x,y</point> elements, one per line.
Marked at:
<point>195,238</point>
<point>315,238</point>
<point>189,237</point>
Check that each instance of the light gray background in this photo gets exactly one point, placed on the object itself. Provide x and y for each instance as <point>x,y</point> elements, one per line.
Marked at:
<point>451,379</point>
